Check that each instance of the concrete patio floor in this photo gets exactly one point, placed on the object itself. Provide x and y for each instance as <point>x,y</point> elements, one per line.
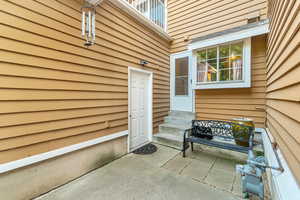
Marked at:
<point>164,175</point>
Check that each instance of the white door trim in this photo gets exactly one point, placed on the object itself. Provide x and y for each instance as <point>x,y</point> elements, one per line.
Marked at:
<point>150,95</point>
<point>174,56</point>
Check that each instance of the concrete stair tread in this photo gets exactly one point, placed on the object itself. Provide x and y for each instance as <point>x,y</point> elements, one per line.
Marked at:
<point>168,139</point>
<point>178,126</point>
<point>182,114</point>
<point>169,136</point>
<point>172,130</point>
<point>182,119</point>
<point>179,118</point>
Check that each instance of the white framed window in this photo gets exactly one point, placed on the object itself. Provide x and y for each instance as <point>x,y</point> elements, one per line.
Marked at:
<point>226,65</point>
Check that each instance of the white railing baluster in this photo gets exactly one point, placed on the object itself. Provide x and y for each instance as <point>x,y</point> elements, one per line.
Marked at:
<point>150,10</point>
<point>164,15</point>
<point>159,12</point>
<point>156,12</point>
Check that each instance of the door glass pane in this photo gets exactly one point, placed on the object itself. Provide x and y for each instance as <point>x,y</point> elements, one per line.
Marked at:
<point>181,76</point>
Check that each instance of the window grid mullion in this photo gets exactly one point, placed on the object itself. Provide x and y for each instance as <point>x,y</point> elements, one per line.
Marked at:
<point>229,62</point>
<point>218,59</point>
<point>206,65</point>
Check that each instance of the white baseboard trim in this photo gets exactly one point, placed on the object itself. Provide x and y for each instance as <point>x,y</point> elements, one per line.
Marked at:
<point>6,167</point>
<point>283,185</point>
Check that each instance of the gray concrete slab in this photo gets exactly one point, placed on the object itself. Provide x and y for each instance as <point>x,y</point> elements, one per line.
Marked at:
<point>160,157</point>
<point>197,170</point>
<point>201,156</point>
<point>177,164</point>
<point>149,177</point>
<point>237,187</point>
<point>221,179</point>
<point>225,165</point>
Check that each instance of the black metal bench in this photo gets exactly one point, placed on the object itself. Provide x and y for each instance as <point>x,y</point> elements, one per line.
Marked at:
<point>221,134</point>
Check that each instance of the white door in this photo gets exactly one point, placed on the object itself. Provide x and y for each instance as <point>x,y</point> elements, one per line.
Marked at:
<point>181,82</point>
<point>140,105</point>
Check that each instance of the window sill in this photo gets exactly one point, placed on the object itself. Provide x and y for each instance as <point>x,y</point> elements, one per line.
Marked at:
<point>222,85</point>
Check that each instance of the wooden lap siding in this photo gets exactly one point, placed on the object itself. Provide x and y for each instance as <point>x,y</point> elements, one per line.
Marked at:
<point>54,91</point>
<point>225,104</point>
<point>195,18</point>
<point>283,79</point>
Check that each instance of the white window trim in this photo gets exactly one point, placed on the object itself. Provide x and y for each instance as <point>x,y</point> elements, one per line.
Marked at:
<point>245,83</point>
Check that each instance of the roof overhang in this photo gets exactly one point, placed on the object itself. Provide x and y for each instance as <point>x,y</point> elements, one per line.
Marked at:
<point>238,33</point>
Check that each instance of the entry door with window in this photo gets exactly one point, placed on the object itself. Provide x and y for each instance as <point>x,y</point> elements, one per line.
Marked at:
<point>181,87</point>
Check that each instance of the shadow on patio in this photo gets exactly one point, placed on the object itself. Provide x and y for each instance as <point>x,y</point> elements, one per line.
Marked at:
<point>162,175</point>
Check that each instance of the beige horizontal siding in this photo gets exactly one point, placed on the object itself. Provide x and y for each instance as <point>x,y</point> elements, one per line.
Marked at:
<point>283,83</point>
<point>225,104</point>
<point>54,91</point>
<point>191,19</point>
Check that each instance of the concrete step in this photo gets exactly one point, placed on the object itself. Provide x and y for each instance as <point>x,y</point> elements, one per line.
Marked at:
<point>175,120</point>
<point>168,139</point>
<point>174,129</point>
<point>182,115</point>
<point>171,132</point>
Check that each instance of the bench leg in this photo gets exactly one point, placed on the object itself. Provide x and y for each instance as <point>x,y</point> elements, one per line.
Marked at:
<point>192,146</point>
<point>183,149</point>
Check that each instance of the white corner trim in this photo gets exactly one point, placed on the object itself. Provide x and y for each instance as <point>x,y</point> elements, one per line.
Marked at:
<point>142,19</point>
<point>283,185</point>
<point>6,167</point>
<point>239,35</point>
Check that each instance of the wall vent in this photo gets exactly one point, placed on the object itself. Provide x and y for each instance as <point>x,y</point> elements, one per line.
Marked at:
<point>253,20</point>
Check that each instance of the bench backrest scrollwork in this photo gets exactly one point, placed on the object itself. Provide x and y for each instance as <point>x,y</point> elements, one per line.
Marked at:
<point>222,129</point>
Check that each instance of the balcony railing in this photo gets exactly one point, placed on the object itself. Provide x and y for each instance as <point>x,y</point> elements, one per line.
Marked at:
<point>154,10</point>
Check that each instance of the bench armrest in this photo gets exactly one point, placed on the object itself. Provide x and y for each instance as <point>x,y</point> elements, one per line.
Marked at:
<point>187,133</point>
